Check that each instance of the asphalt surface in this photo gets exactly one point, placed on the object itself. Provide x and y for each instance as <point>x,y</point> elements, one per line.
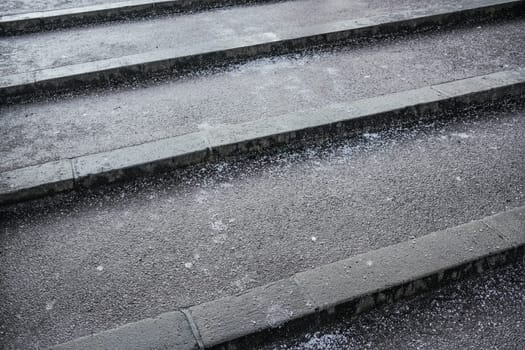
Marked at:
<point>486,312</point>
<point>76,45</point>
<point>84,262</point>
<point>102,120</point>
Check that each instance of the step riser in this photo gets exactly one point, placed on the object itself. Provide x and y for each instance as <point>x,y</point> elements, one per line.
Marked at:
<point>19,87</point>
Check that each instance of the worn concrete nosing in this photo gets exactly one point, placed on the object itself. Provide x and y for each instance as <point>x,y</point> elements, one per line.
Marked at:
<point>168,331</point>
<point>99,73</point>
<point>69,17</point>
<point>349,286</point>
<point>36,181</point>
<point>251,137</point>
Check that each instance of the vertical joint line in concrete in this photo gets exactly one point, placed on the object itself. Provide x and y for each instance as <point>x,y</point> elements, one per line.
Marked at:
<point>194,329</point>
<point>70,161</point>
<point>305,293</point>
<point>205,136</point>
<point>498,232</point>
<point>441,92</point>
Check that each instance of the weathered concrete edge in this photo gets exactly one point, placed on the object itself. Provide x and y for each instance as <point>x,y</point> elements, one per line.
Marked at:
<point>32,22</point>
<point>361,282</point>
<point>36,181</point>
<point>244,138</point>
<point>19,86</point>
<point>170,330</point>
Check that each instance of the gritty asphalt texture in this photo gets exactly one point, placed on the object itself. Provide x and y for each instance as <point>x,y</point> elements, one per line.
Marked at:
<point>84,262</point>
<point>76,45</point>
<point>486,312</point>
<point>98,121</point>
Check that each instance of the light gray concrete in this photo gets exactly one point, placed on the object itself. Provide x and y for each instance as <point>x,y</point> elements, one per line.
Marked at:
<point>389,110</point>
<point>100,121</point>
<point>36,181</point>
<point>263,308</point>
<point>511,225</point>
<point>170,153</point>
<point>168,331</point>
<point>211,31</point>
<point>85,262</point>
<point>489,83</point>
<point>361,277</point>
<point>486,312</point>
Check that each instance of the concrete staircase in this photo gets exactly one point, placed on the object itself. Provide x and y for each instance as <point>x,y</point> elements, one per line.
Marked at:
<point>196,174</point>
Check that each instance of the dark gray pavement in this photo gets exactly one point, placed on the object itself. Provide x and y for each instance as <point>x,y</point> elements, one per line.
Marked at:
<point>486,312</point>
<point>64,127</point>
<point>81,263</point>
<point>22,54</point>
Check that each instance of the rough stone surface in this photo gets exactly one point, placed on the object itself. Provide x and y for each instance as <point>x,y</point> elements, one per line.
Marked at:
<point>465,91</point>
<point>168,331</point>
<point>510,224</point>
<point>35,181</point>
<point>363,275</point>
<point>485,312</point>
<point>265,307</point>
<point>399,101</point>
<point>171,153</point>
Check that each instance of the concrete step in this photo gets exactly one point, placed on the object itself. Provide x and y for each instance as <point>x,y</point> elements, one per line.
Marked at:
<point>88,261</point>
<point>109,122</point>
<point>63,60</point>
<point>286,84</point>
<point>477,313</point>
<point>189,191</point>
<point>246,138</point>
<point>352,286</point>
